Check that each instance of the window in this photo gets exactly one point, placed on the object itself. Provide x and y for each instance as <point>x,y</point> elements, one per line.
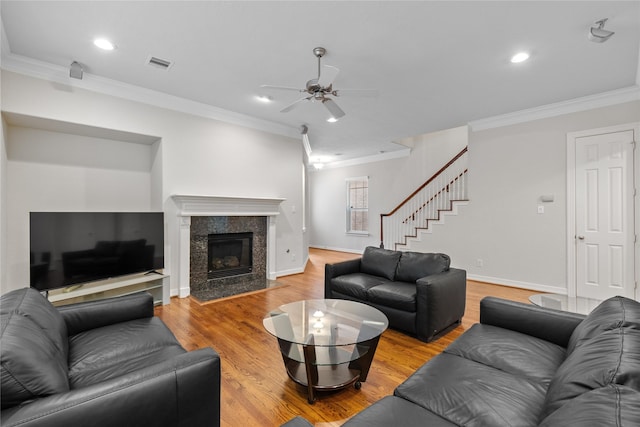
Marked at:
<point>358,205</point>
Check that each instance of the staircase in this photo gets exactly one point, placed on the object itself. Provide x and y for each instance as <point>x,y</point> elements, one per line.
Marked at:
<point>426,205</point>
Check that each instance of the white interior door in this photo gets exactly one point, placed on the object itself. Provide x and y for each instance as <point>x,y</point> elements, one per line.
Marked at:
<point>605,215</point>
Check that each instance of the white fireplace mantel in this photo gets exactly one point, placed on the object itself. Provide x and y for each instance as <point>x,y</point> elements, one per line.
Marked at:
<point>226,205</point>
<point>193,205</point>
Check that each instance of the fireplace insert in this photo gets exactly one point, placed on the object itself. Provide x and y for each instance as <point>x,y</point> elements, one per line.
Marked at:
<point>230,254</point>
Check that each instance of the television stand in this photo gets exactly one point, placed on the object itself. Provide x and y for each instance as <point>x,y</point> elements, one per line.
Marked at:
<point>156,284</point>
<point>71,288</point>
<point>152,272</point>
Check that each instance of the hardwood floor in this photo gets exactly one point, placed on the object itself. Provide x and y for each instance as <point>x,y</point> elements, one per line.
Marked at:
<point>255,388</point>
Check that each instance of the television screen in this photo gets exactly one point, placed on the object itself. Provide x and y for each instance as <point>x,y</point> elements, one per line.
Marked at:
<point>70,248</point>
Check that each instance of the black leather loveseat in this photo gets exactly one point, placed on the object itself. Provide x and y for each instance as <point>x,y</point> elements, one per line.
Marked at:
<point>524,365</point>
<point>418,292</point>
<point>102,363</point>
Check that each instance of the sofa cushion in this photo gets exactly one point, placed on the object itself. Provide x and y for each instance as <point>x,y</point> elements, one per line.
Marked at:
<point>104,353</point>
<point>469,393</point>
<point>398,295</point>
<point>610,314</point>
<point>519,354</point>
<point>356,285</point>
<point>607,406</point>
<point>379,262</point>
<point>415,265</point>
<point>613,357</point>
<point>394,411</point>
<point>34,347</point>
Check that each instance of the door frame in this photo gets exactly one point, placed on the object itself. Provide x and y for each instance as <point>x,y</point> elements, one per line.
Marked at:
<point>571,201</point>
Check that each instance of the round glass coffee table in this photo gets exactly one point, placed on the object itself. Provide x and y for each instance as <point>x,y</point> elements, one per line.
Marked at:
<point>326,344</point>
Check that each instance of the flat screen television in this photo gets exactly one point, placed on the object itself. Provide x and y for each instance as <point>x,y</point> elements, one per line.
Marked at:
<point>71,248</point>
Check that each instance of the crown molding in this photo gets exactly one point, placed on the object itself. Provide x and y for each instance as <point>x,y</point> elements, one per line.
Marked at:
<point>396,154</point>
<point>58,74</point>
<point>604,99</point>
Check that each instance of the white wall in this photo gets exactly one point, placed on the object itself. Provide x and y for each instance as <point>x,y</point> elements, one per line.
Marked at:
<point>3,204</point>
<point>390,182</point>
<point>196,156</point>
<point>509,169</point>
<point>52,171</point>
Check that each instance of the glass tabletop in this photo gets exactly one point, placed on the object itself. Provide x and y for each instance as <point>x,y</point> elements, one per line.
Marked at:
<point>330,322</point>
<point>579,305</point>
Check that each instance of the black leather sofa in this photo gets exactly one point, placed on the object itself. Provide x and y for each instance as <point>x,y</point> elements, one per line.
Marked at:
<point>524,365</point>
<point>101,363</point>
<point>418,292</point>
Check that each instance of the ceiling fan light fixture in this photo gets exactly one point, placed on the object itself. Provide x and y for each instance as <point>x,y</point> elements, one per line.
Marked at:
<point>320,89</point>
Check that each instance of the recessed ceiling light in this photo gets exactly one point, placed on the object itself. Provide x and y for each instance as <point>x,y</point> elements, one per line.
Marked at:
<point>104,44</point>
<point>332,120</point>
<point>264,98</point>
<point>519,57</point>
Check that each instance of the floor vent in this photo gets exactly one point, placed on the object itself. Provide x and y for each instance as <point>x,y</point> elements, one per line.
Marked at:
<point>159,63</point>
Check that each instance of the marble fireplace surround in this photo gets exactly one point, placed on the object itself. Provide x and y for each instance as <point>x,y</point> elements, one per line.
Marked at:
<point>190,205</point>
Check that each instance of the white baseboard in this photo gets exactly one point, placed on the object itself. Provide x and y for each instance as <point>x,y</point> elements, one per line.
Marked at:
<point>184,292</point>
<point>518,284</point>
<point>332,248</point>
<point>290,272</point>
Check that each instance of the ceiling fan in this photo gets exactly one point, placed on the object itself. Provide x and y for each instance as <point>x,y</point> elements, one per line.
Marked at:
<point>321,88</point>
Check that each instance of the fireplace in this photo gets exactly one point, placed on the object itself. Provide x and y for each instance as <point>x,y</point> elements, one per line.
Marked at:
<point>199,216</point>
<point>229,254</point>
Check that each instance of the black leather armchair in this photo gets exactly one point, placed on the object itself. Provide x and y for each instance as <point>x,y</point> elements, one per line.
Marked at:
<point>101,363</point>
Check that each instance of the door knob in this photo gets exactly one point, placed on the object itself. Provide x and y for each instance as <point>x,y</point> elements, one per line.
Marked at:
<point>580,237</point>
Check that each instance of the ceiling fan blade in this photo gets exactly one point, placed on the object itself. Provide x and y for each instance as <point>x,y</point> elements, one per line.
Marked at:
<point>328,75</point>
<point>294,104</point>
<point>270,87</point>
<point>333,108</point>
<point>369,93</point>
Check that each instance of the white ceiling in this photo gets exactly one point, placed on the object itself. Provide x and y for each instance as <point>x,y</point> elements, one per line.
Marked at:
<point>436,65</point>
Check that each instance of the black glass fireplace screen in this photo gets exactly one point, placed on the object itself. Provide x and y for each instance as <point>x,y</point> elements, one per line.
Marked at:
<point>230,254</point>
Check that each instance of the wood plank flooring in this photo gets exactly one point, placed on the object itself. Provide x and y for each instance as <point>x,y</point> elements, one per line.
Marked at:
<point>255,388</point>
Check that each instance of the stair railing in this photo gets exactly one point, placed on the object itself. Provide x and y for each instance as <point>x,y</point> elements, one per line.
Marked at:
<point>425,204</point>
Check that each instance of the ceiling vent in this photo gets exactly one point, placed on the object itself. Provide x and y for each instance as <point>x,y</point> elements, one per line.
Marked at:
<point>156,62</point>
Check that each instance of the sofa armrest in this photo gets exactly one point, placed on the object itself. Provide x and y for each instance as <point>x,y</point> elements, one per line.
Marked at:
<point>339,269</point>
<point>544,323</point>
<point>441,300</point>
<point>182,391</point>
<point>95,314</point>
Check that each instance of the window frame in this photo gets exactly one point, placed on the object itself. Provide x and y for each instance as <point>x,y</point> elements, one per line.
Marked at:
<point>349,209</point>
